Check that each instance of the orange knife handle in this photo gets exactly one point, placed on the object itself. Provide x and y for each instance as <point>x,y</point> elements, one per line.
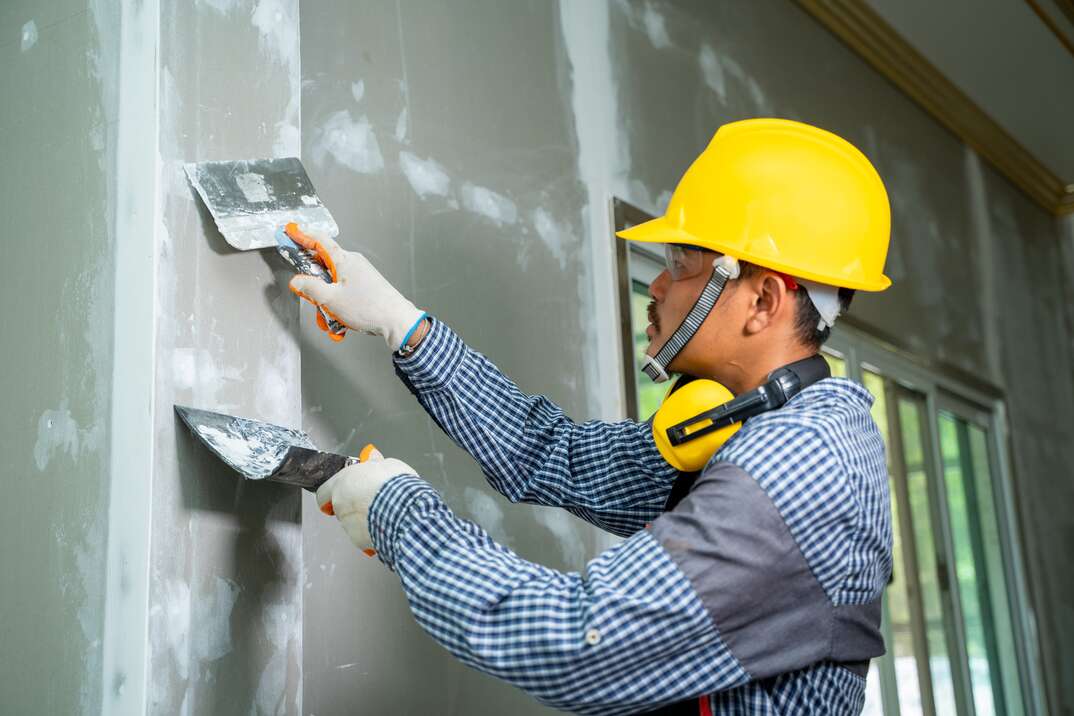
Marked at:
<point>368,452</point>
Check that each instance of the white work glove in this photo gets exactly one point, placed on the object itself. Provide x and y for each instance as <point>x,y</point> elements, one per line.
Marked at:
<point>349,494</point>
<point>359,297</point>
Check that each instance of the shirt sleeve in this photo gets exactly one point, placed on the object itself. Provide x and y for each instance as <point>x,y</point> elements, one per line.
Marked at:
<point>628,634</point>
<point>610,474</point>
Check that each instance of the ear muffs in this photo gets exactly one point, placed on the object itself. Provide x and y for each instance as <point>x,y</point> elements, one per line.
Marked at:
<point>684,403</point>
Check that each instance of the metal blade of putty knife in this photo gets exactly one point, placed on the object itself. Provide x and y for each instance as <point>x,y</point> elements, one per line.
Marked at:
<point>263,451</point>
<point>250,199</point>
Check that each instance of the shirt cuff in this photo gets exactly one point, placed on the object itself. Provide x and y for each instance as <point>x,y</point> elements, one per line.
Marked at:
<point>434,362</point>
<point>392,512</point>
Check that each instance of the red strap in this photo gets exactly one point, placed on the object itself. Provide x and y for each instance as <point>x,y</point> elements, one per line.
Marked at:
<point>703,706</point>
<point>788,281</point>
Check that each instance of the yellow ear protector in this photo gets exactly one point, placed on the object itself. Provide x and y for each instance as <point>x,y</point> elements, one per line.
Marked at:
<point>698,416</point>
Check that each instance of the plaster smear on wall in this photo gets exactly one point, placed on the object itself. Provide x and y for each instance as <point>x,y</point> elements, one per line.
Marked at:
<point>195,369</point>
<point>715,69</point>
<point>559,523</point>
<point>486,513</point>
<point>212,619</point>
<point>553,233</point>
<point>712,72</point>
<point>489,204</point>
<point>348,141</point>
<point>400,127</point>
<point>58,431</point>
<point>650,20</point>
<point>358,90</point>
<point>426,176</point>
<point>28,37</point>
<point>277,22</point>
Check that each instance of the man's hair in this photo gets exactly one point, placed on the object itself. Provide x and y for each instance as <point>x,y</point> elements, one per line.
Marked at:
<point>806,316</point>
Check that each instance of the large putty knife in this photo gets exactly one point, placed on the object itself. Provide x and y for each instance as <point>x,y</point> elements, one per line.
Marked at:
<point>252,200</point>
<point>263,451</point>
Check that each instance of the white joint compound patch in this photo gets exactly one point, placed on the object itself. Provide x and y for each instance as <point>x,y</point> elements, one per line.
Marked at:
<point>253,187</point>
<point>488,203</point>
<point>358,90</point>
<point>426,176</point>
<point>655,27</point>
<point>712,71</point>
<point>553,234</point>
<point>28,37</point>
<point>348,141</point>
<point>486,513</point>
<point>400,126</point>
<point>569,539</point>
<point>57,431</point>
<point>211,637</point>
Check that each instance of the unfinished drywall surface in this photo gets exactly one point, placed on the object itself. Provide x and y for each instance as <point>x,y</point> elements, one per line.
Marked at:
<point>56,200</point>
<point>441,137</point>
<point>225,604</point>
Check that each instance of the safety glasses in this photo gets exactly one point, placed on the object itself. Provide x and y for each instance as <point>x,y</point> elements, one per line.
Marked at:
<point>685,262</point>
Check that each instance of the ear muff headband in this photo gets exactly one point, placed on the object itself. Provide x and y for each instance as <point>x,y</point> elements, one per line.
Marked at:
<point>696,419</point>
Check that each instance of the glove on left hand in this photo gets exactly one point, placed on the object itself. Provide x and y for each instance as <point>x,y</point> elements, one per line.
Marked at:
<point>350,492</point>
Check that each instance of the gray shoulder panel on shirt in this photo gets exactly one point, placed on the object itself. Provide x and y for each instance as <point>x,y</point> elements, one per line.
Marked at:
<point>731,542</point>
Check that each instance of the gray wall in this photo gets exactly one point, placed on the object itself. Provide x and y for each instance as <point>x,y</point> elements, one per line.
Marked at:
<point>57,345</point>
<point>466,96</point>
<point>225,601</point>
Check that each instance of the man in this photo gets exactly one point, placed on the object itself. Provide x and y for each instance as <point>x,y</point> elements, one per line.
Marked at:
<point>751,586</point>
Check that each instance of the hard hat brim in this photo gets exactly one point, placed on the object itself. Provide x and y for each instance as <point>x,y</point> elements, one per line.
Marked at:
<point>662,231</point>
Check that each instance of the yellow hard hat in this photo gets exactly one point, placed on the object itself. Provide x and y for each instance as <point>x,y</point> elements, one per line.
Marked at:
<point>786,196</point>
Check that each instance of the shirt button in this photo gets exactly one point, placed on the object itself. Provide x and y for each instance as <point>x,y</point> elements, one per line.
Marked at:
<point>592,637</point>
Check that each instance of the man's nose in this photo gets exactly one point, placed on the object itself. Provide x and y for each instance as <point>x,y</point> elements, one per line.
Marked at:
<point>659,287</point>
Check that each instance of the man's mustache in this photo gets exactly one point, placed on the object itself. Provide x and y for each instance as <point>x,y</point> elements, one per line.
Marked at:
<point>653,318</point>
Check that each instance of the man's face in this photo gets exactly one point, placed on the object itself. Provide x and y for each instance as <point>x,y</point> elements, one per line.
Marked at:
<point>674,293</point>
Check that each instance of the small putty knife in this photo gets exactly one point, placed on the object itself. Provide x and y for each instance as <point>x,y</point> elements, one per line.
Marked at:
<point>252,200</point>
<point>262,451</point>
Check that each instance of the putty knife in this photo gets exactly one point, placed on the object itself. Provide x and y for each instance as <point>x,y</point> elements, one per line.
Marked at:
<point>262,451</point>
<point>252,200</point>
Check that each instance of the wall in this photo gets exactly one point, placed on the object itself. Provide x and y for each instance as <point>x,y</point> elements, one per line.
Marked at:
<point>225,602</point>
<point>140,576</point>
<point>470,152</point>
<point>441,137</point>
<point>56,197</point>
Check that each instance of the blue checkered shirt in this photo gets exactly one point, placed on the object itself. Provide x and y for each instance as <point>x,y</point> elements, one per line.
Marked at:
<point>629,634</point>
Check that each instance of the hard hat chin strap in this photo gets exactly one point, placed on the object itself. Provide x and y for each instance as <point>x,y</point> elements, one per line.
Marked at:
<point>724,269</point>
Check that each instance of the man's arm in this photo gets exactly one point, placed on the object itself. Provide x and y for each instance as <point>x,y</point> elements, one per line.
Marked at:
<point>629,634</point>
<point>610,474</point>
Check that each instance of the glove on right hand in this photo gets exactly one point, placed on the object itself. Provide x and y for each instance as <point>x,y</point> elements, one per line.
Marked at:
<point>359,297</point>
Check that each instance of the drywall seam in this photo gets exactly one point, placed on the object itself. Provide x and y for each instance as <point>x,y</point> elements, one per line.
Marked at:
<point>586,36</point>
<point>136,218</point>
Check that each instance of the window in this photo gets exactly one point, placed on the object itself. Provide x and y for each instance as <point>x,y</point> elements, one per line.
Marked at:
<point>958,632</point>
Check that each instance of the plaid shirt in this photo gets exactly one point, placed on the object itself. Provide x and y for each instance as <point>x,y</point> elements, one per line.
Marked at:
<point>630,634</point>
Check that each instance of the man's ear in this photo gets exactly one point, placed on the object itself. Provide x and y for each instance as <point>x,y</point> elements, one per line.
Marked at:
<point>768,297</point>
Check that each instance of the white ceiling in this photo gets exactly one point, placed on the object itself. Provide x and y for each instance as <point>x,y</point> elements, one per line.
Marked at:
<point>1001,54</point>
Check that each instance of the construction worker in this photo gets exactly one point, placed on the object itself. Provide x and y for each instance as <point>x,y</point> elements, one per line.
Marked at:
<point>758,536</point>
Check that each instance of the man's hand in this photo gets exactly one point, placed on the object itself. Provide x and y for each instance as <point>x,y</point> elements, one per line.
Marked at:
<point>349,494</point>
<point>359,297</point>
